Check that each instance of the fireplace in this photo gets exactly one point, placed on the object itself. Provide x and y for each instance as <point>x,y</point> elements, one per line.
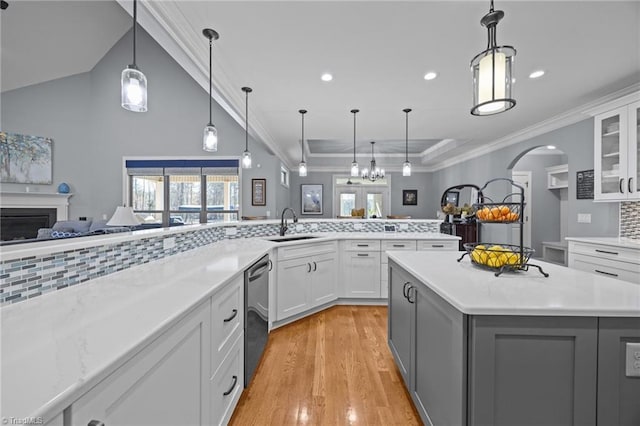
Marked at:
<point>23,223</point>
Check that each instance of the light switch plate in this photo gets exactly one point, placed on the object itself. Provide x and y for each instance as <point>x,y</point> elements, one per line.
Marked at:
<point>357,226</point>
<point>169,243</point>
<point>231,230</point>
<point>404,226</point>
<point>633,360</point>
<point>314,226</point>
<point>584,217</point>
<point>299,227</point>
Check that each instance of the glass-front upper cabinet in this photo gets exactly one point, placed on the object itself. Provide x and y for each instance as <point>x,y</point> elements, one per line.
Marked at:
<point>616,167</point>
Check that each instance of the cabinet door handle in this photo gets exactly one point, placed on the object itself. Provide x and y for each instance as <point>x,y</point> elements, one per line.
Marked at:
<point>620,186</point>
<point>363,254</point>
<point>606,273</point>
<point>308,267</point>
<point>315,266</point>
<point>95,423</point>
<point>607,252</point>
<point>233,315</point>
<point>362,245</point>
<point>437,245</point>
<point>629,185</point>
<point>404,289</point>
<point>409,294</point>
<point>398,245</point>
<point>235,381</point>
<point>270,265</point>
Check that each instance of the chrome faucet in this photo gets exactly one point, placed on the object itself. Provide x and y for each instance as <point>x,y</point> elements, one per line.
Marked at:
<point>283,221</point>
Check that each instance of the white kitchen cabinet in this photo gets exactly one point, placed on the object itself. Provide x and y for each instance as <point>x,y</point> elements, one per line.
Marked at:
<point>362,274</point>
<point>607,260</point>
<point>388,245</point>
<point>227,307</point>
<point>306,277</point>
<point>616,154</point>
<point>163,384</point>
<point>227,384</point>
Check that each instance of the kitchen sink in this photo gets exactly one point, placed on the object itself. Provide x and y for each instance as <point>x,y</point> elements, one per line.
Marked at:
<point>291,238</point>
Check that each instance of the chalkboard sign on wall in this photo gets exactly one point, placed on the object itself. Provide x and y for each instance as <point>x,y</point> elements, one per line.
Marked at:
<point>584,185</point>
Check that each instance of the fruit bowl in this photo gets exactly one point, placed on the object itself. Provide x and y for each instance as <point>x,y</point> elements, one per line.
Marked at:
<point>498,212</point>
<point>498,256</point>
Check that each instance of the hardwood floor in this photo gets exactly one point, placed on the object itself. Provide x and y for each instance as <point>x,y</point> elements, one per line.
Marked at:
<point>332,368</point>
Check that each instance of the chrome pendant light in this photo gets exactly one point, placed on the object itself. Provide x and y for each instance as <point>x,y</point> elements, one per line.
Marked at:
<point>406,166</point>
<point>302,168</point>
<point>354,165</point>
<point>374,173</point>
<point>492,71</point>
<point>133,83</point>
<point>210,136</point>
<point>246,155</point>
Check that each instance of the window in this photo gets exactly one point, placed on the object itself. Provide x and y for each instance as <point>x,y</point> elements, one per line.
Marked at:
<point>358,194</point>
<point>284,176</point>
<point>176,192</point>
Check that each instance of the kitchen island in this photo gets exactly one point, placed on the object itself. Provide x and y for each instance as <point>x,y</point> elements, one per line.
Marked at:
<point>475,349</point>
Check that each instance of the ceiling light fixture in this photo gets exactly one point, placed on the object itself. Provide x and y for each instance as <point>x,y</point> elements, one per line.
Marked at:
<point>430,75</point>
<point>406,167</point>
<point>536,74</point>
<point>374,173</point>
<point>551,147</point>
<point>133,84</point>
<point>210,137</point>
<point>354,165</point>
<point>246,155</point>
<point>326,77</point>
<point>302,168</point>
<point>492,71</point>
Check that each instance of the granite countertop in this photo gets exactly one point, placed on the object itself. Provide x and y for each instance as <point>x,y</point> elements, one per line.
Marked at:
<point>608,241</point>
<point>476,291</point>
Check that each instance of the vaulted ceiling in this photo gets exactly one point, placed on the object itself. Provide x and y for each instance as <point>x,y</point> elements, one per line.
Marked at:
<point>378,53</point>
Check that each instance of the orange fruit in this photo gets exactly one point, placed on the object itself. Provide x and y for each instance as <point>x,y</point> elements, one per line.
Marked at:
<point>495,213</point>
<point>504,210</point>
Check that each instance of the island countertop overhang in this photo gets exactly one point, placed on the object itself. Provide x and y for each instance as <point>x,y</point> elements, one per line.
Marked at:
<point>475,291</point>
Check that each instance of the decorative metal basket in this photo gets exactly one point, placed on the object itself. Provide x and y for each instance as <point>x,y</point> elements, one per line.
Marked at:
<point>498,257</point>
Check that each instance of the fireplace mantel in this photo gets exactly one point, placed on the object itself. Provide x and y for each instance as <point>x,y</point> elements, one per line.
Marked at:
<point>60,202</point>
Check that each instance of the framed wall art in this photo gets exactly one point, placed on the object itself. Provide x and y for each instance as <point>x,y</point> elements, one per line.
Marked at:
<point>409,197</point>
<point>311,196</point>
<point>25,159</point>
<point>258,192</point>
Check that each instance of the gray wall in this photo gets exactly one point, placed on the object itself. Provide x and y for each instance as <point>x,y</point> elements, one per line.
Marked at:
<point>323,178</point>
<point>92,133</point>
<point>576,141</point>
<point>545,211</point>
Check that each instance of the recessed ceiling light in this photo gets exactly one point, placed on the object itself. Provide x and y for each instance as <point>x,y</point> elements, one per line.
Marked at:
<point>326,77</point>
<point>430,75</point>
<point>551,147</point>
<point>536,74</point>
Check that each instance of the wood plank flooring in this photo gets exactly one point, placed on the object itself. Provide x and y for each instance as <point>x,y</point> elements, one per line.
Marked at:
<point>332,368</point>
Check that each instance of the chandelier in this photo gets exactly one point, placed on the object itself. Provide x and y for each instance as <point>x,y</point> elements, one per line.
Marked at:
<point>374,172</point>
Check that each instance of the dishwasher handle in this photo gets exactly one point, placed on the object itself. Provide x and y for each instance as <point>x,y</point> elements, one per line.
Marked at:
<point>258,270</point>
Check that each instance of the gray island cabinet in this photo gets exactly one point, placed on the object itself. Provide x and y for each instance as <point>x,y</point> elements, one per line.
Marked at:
<point>519,349</point>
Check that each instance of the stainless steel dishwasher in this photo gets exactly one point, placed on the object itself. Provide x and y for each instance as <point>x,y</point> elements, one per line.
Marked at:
<point>256,315</point>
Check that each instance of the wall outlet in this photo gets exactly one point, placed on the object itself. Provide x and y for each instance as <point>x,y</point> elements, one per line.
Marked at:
<point>633,360</point>
<point>404,226</point>
<point>584,217</point>
<point>314,226</point>
<point>231,230</point>
<point>357,226</point>
<point>268,214</point>
<point>299,227</point>
<point>169,243</point>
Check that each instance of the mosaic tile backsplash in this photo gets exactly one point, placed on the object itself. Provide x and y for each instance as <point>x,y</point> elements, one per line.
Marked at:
<point>630,219</point>
<point>22,279</point>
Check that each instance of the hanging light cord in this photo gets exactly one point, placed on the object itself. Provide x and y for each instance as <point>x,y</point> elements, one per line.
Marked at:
<point>135,19</point>
<point>354,136</point>
<point>210,64</point>
<point>406,137</point>
<point>246,122</point>
<point>302,140</point>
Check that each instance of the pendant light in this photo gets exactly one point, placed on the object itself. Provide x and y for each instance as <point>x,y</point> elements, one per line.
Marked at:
<point>133,83</point>
<point>302,168</point>
<point>406,167</point>
<point>492,71</point>
<point>354,164</point>
<point>374,173</point>
<point>246,155</point>
<point>210,137</point>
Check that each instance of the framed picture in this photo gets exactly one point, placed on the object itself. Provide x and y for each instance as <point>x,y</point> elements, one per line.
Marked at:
<point>26,159</point>
<point>409,197</point>
<point>258,192</point>
<point>311,196</point>
<point>452,197</point>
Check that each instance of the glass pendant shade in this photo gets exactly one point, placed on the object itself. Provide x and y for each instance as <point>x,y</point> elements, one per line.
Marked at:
<point>492,81</point>
<point>134,90</point>
<point>406,169</point>
<point>210,138</point>
<point>354,169</point>
<point>246,160</point>
<point>302,169</point>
